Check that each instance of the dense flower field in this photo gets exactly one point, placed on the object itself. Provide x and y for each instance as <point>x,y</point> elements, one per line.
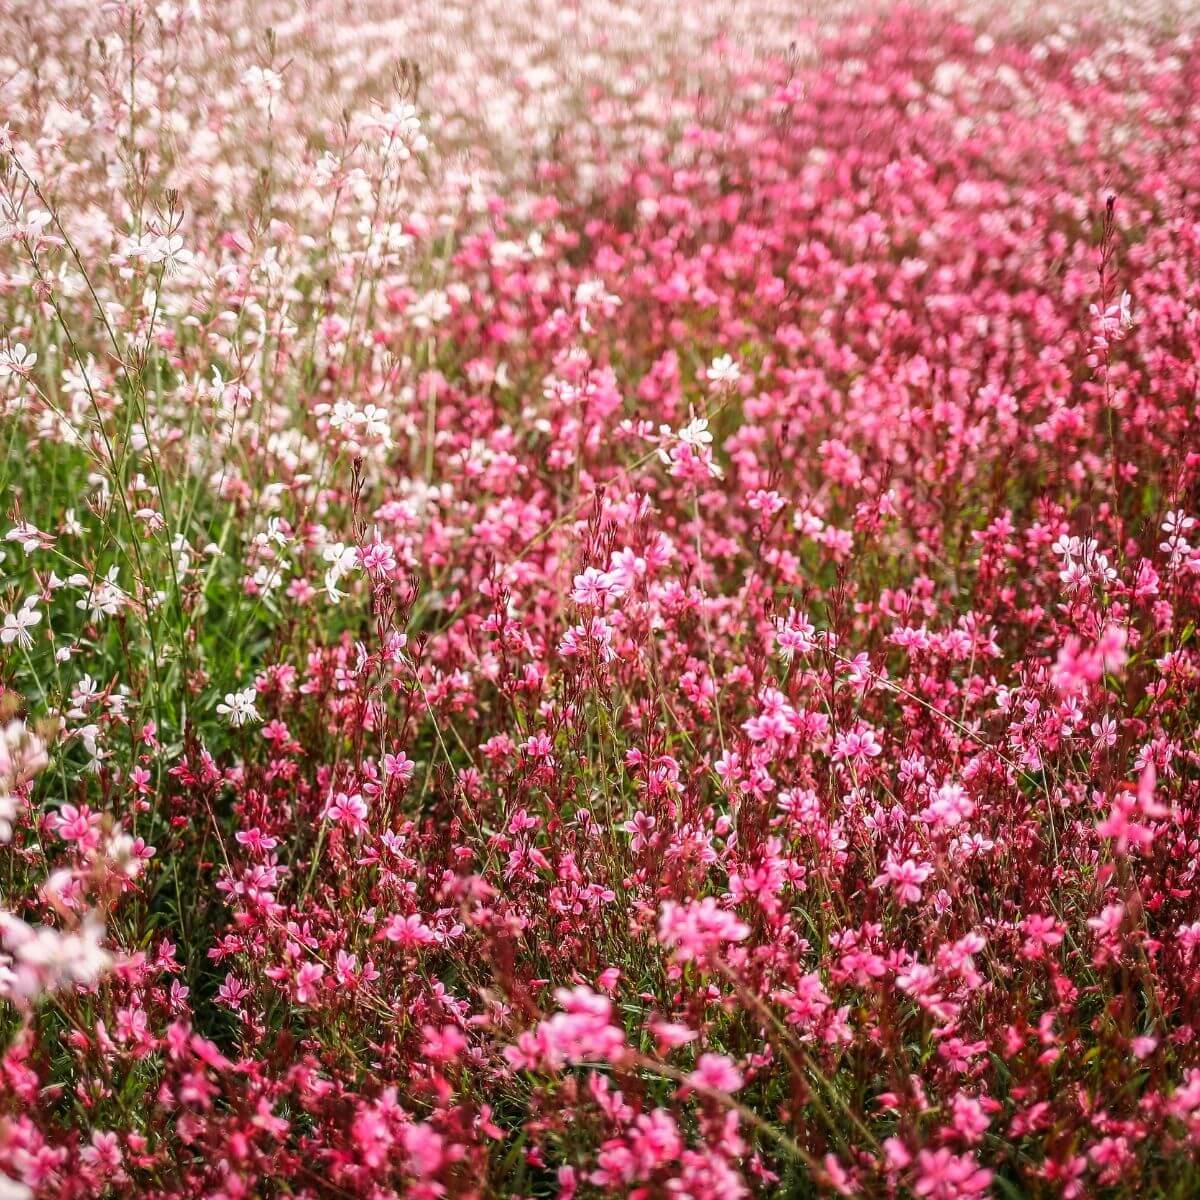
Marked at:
<point>598,600</point>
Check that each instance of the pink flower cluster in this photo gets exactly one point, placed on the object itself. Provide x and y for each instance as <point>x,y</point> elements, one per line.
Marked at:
<point>607,609</point>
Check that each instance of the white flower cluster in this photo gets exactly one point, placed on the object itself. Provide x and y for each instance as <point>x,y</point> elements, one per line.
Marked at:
<point>37,959</point>
<point>22,756</point>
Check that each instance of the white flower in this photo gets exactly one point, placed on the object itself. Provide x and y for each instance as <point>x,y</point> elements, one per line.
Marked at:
<point>695,433</point>
<point>341,559</point>
<point>82,696</point>
<point>401,127</point>
<point>340,556</point>
<point>89,735</point>
<point>10,1189</point>
<point>29,536</point>
<point>429,309</point>
<point>263,83</point>
<point>239,706</point>
<point>343,415</point>
<point>105,599</point>
<point>590,296</point>
<point>335,594</point>
<point>375,423</point>
<point>17,625</point>
<point>1177,521</point>
<point>16,360</point>
<point>8,814</point>
<point>268,577</point>
<point>80,381</point>
<point>274,533</point>
<point>723,372</point>
<point>45,960</point>
<point>22,756</point>
<point>172,253</point>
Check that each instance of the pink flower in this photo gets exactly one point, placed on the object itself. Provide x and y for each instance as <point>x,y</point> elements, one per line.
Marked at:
<point>669,1035</point>
<point>715,1072</point>
<point>943,1175</point>
<point>594,589</point>
<point>858,746</point>
<point>410,932</point>
<point>348,810</point>
<point>905,878</point>
<point>698,929</point>
<point>308,977</point>
<point>582,1031</point>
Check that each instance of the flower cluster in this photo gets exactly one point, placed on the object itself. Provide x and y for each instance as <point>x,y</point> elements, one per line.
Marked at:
<point>606,608</point>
